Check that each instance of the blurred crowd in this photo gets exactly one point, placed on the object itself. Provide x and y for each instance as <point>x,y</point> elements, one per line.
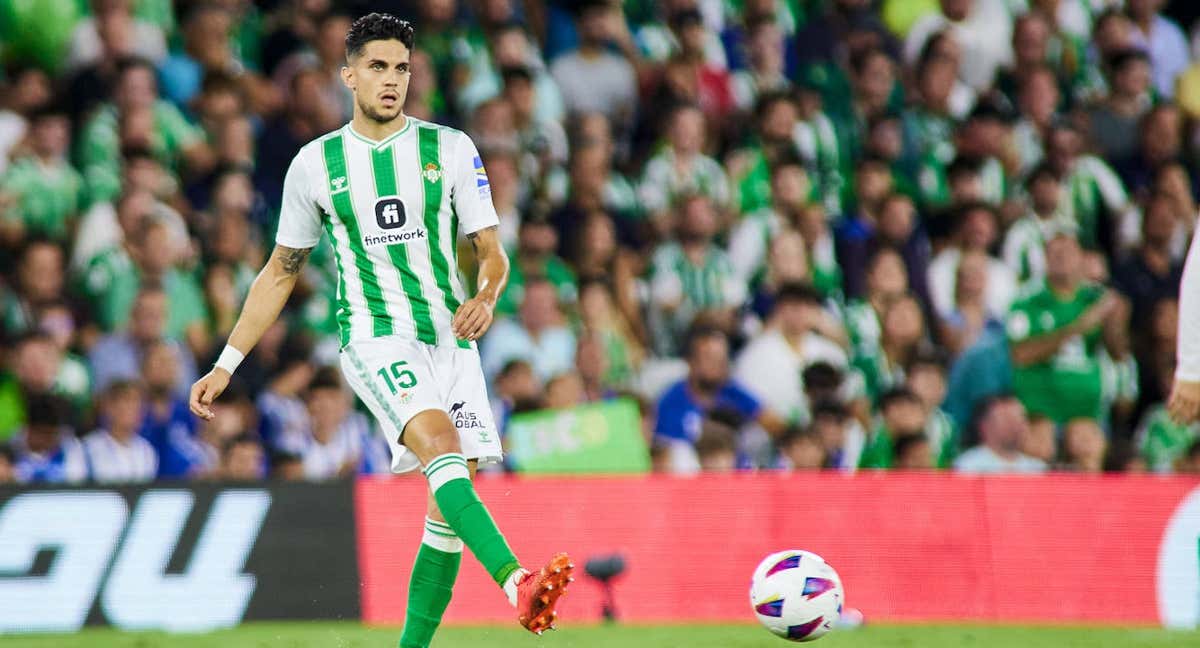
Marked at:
<point>802,234</point>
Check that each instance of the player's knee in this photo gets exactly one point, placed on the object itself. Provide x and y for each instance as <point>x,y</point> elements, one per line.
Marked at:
<point>430,434</point>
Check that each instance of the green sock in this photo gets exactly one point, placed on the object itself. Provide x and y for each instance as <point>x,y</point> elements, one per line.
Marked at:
<point>450,481</point>
<point>432,581</point>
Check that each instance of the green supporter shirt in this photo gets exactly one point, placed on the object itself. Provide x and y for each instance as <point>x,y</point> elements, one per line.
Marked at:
<point>47,197</point>
<point>877,453</point>
<point>111,283</point>
<point>553,269</point>
<point>1162,441</point>
<point>1068,384</point>
<point>99,153</point>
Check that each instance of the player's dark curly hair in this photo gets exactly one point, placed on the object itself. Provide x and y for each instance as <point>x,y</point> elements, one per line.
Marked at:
<point>377,26</point>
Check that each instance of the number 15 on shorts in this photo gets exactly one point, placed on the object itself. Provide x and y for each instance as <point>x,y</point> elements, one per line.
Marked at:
<point>397,377</point>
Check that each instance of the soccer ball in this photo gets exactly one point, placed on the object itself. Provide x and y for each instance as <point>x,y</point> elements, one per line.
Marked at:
<point>796,595</point>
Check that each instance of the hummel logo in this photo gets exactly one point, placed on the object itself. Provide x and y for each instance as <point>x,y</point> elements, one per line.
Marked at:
<point>338,183</point>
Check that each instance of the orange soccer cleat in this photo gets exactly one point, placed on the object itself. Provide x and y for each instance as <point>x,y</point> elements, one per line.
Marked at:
<point>538,594</point>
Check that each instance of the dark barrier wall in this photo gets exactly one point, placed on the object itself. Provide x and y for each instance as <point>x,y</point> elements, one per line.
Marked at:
<point>176,557</point>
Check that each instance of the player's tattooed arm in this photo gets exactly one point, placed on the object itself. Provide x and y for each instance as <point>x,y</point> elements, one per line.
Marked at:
<point>473,237</point>
<point>291,260</point>
<point>475,315</point>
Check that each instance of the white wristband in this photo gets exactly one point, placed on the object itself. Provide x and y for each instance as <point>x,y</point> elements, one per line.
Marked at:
<point>230,359</point>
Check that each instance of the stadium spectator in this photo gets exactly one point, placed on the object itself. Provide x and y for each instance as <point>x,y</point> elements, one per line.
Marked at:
<point>116,453</point>
<point>841,437</point>
<point>591,369</point>
<point>1094,192</point>
<point>516,389</point>
<point>1084,446</point>
<point>913,453</point>
<point>1059,333</point>
<point>136,116</point>
<point>1039,440</point>
<point>1114,120</point>
<point>771,364</point>
<point>692,277</point>
<point>1001,422</point>
<point>41,194</point>
<point>1037,104</point>
<point>241,459</point>
<point>903,336</point>
<point>121,355</point>
<point>1025,241</point>
<point>592,78</point>
<point>961,328</point>
<point>1189,463</point>
<point>536,256</point>
<point>976,232</point>
<point>8,460</point>
<point>281,403</point>
<point>886,280</point>
<point>37,283</point>
<point>599,258</point>
<point>716,449</point>
<point>1150,274</point>
<point>46,449</point>
<point>708,387</point>
<point>680,171</point>
<point>1162,39</point>
<point>801,449</point>
<point>539,335</point>
<point>778,142</point>
<point>983,28</point>
<point>29,87</point>
<point>925,376</point>
<point>112,30</point>
<point>340,442</point>
<point>37,368</point>
<point>751,237</point>
<point>765,70</point>
<point>903,415</point>
<point>168,424</point>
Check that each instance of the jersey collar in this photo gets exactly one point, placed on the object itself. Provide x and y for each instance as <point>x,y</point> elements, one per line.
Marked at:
<point>408,122</point>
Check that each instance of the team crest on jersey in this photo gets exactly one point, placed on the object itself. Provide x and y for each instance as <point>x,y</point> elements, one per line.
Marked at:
<point>432,173</point>
<point>405,398</point>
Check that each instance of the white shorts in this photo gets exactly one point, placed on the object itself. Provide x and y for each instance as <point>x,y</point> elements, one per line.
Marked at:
<point>399,378</point>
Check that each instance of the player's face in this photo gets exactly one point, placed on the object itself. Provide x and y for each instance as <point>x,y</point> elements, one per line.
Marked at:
<point>379,79</point>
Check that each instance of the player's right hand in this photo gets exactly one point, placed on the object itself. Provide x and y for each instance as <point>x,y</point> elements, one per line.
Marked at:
<point>1184,404</point>
<point>206,390</point>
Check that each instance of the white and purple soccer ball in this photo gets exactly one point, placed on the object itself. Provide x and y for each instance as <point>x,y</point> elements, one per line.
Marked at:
<point>796,595</point>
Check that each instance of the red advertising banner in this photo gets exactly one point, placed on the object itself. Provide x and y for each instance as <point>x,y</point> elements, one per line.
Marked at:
<point>909,547</point>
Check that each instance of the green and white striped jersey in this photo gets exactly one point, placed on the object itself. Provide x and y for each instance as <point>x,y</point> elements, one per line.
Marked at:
<point>392,210</point>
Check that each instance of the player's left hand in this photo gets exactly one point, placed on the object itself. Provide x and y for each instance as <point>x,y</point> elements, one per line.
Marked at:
<point>1184,404</point>
<point>472,319</point>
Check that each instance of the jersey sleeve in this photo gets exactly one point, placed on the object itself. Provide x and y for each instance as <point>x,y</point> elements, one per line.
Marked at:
<point>472,194</point>
<point>299,216</point>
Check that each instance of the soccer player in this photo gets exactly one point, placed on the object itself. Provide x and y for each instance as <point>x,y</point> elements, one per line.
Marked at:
<point>392,192</point>
<point>1184,404</point>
